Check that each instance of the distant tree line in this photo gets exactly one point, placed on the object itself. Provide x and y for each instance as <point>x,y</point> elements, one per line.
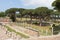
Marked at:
<point>43,13</point>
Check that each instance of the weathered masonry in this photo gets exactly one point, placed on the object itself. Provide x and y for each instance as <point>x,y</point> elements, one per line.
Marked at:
<point>4,19</point>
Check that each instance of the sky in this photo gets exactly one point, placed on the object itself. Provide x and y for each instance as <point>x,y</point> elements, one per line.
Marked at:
<point>29,4</point>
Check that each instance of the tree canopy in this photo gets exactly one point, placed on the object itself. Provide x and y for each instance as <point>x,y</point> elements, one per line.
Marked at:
<point>56,4</point>
<point>40,12</point>
<point>2,14</point>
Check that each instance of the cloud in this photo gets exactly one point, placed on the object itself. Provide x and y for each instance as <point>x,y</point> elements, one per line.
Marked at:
<point>37,3</point>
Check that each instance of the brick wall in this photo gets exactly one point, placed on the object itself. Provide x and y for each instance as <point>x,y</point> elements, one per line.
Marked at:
<point>4,20</point>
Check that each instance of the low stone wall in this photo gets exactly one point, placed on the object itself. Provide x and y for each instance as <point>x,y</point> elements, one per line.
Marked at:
<point>32,32</point>
<point>54,37</point>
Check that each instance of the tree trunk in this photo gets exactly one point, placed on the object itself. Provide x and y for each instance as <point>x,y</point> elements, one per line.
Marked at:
<point>21,17</point>
<point>13,17</point>
<point>40,22</point>
<point>31,19</point>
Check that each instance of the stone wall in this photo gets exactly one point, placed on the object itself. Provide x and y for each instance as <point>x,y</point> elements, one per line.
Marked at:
<point>4,19</point>
<point>32,32</point>
<point>54,37</point>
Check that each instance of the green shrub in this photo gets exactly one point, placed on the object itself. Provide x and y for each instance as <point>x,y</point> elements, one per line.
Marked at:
<point>56,29</point>
<point>35,23</point>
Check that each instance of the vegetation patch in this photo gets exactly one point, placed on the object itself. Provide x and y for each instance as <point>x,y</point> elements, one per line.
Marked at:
<point>42,29</point>
<point>56,29</point>
<point>18,33</point>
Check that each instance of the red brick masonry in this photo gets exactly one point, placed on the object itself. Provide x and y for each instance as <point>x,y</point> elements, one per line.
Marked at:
<point>4,19</point>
